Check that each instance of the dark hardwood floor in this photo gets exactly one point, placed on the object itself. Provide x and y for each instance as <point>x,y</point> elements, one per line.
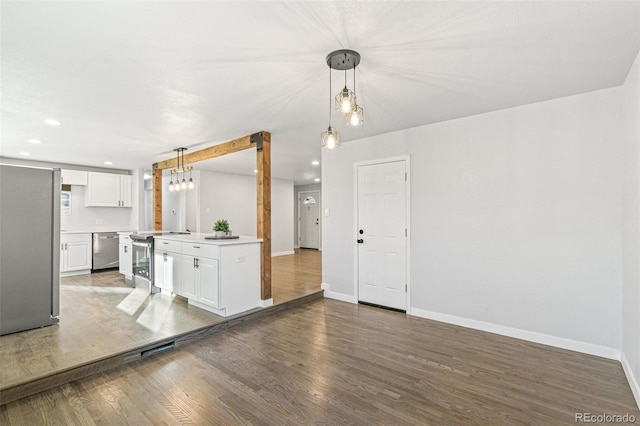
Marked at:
<point>102,317</point>
<point>331,362</point>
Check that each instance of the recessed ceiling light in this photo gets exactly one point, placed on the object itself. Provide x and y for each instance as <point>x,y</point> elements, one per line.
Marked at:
<point>26,154</point>
<point>52,122</point>
<point>108,163</point>
<point>34,141</point>
<point>315,162</point>
<point>317,180</point>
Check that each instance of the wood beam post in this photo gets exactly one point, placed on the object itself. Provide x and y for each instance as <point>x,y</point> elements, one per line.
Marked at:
<point>157,198</point>
<point>262,142</point>
<point>264,212</point>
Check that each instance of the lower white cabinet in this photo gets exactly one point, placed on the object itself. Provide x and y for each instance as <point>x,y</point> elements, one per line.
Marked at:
<point>75,254</point>
<point>221,278</point>
<point>166,271</point>
<point>125,258</point>
<point>200,280</point>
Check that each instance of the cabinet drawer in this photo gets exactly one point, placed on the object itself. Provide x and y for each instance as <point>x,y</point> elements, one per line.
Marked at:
<point>201,250</point>
<point>72,238</point>
<point>161,245</point>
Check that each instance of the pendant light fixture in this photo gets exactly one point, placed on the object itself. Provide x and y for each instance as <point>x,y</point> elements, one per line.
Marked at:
<point>330,138</point>
<point>180,170</point>
<point>345,101</point>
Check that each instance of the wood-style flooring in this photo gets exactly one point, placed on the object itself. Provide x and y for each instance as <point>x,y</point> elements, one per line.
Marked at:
<point>101,317</point>
<point>335,363</point>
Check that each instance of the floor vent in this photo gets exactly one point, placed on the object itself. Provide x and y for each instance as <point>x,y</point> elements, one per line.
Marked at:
<point>156,349</point>
<point>374,305</point>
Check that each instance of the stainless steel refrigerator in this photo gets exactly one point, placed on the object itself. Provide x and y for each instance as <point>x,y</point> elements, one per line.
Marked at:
<point>29,247</point>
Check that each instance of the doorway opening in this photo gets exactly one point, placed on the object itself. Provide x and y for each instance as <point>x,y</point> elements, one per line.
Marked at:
<point>309,220</point>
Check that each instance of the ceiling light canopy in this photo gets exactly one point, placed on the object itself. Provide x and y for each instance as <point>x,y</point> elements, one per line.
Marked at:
<point>345,101</point>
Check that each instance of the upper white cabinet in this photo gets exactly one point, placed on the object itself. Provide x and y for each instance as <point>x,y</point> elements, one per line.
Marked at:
<point>74,177</point>
<point>108,190</point>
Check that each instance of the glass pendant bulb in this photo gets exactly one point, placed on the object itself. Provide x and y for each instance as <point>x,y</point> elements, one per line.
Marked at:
<point>183,184</point>
<point>331,138</point>
<point>355,117</point>
<point>345,101</point>
<point>171,188</point>
<point>190,185</point>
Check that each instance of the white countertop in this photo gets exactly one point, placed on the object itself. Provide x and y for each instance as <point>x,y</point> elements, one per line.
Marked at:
<point>199,238</point>
<point>93,231</point>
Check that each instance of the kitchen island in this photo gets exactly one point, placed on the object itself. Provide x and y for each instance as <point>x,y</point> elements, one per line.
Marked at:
<point>219,275</point>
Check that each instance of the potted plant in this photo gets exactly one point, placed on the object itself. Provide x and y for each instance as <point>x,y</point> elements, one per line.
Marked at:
<point>221,227</point>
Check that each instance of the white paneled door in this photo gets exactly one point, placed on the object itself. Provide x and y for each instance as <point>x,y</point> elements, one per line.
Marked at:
<point>309,219</point>
<point>382,234</point>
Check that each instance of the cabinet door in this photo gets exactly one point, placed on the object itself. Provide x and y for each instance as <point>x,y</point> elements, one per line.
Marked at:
<point>207,277</point>
<point>158,269</point>
<point>73,177</point>
<point>77,256</point>
<point>125,259</point>
<point>102,190</point>
<point>189,284</point>
<point>125,191</point>
<point>172,275</point>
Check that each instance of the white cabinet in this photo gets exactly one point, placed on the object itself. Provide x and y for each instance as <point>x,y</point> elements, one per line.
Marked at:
<point>73,177</point>
<point>108,190</point>
<point>167,266</point>
<point>75,254</point>
<point>222,278</point>
<point>200,280</point>
<point>125,258</point>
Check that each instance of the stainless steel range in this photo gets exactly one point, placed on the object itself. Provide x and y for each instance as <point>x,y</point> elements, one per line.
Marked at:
<point>143,258</point>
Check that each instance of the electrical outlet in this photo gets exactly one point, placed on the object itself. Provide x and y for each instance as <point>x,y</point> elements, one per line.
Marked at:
<point>98,221</point>
<point>241,259</point>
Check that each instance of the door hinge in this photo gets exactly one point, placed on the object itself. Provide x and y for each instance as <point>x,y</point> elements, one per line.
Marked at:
<point>405,176</point>
<point>405,288</point>
<point>405,232</point>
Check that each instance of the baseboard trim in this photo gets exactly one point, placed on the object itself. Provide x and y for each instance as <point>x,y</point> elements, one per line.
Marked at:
<point>266,302</point>
<point>337,296</point>
<point>633,382</point>
<point>531,336</point>
<point>282,253</point>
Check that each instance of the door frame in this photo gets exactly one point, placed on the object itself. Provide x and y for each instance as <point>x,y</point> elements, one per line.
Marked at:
<point>317,193</point>
<point>356,269</point>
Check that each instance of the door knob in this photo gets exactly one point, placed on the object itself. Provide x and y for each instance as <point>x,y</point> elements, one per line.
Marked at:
<point>360,241</point>
<point>361,232</point>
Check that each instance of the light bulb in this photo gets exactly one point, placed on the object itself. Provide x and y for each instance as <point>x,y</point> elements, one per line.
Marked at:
<point>353,118</point>
<point>346,105</point>
<point>331,142</point>
<point>171,188</point>
<point>183,184</point>
<point>190,185</point>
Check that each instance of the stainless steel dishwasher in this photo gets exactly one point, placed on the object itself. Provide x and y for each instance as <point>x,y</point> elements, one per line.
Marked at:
<point>105,250</point>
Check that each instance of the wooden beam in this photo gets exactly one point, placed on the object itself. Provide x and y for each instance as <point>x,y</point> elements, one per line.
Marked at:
<point>214,151</point>
<point>157,198</point>
<point>262,142</point>
<point>264,213</point>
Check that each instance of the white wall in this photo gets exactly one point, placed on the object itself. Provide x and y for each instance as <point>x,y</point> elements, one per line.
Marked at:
<point>233,197</point>
<point>515,220</point>
<point>631,230</point>
<point>296,190</point>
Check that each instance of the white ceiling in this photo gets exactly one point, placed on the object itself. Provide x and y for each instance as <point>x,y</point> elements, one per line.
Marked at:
<point>130,81</point>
